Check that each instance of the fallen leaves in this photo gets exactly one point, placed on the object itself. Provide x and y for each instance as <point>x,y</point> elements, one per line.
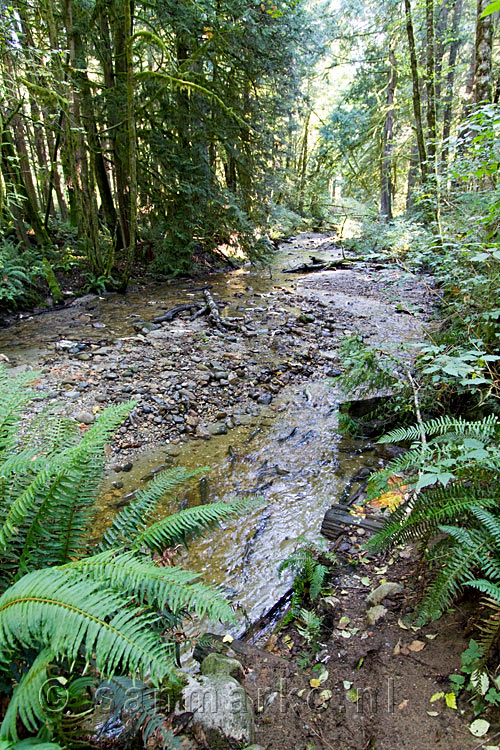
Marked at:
<point>417,646</point>
<point>479,727</point>
<point>450,699</point>
<point>393,497</point>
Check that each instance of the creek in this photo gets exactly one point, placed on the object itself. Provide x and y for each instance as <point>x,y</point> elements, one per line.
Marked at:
<point>290,452</point>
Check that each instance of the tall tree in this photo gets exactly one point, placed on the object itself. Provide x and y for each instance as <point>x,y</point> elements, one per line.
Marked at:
<point>387,140</point>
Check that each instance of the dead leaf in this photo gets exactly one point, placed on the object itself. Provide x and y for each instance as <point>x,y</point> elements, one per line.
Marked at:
<point>416,646</point>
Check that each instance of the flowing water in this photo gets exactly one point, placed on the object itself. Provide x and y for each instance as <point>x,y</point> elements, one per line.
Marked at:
<point>295,460</point>
<point>292,456</point>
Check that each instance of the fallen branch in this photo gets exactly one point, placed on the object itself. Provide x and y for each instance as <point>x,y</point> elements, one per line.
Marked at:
<point>214,314</point>
<point>318,264</point>
<point>170,314</point>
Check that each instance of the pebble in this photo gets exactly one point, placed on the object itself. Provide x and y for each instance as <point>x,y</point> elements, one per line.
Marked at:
<point>84,417</point>
<point>217,428</point>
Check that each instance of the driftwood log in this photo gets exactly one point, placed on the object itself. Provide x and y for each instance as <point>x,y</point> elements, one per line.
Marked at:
<point>208,307</point>
<point>338,521</point>
<point>170,314</point>
<point>318,264</point>
<point>214,314</point>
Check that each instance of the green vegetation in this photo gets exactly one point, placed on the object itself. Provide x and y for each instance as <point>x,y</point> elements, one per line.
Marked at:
<point>77,612</point>
<point>151,133</point>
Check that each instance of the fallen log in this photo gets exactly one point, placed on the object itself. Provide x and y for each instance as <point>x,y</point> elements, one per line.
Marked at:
<point>170,314</point>
<point>338,518</point>
<point>215,316</point>
<point>318,264</point>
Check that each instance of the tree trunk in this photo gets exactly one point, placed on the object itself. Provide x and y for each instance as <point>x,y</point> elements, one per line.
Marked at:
<point>417,105</point>
<point>430,84</point>
<point>450,82</point>
<point>412,177</point>
<point>304,155</point>
<point>484,42</point>
<point>387,139</point>
<point>132,144</point>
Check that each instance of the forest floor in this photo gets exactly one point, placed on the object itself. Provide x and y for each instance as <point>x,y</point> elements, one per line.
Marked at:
<point>193,383</point>
<point>377,681</point>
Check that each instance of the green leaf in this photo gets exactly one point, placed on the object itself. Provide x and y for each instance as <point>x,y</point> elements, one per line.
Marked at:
<point>491,8</point>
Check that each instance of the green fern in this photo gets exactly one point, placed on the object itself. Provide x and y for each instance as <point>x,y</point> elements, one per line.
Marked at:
<point>60,605</point>
<point>135,517</point>
<point>190,523</point>
<point>457,525</point>
<point>152,585</point>
<point>442,425</point>
<point>67,613</point>
<point>25,702</point>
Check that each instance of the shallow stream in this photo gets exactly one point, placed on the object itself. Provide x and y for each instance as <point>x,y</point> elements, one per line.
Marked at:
<point>291,454</point>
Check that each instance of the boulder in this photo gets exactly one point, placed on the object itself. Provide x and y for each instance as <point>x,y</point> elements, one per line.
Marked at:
<point>218,664</point>
<point>385,589</point>
<point>221,709</point>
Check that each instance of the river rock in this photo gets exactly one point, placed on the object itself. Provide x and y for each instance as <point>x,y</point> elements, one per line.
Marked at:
<point>385,589</point>
<point>203,432</point>
<point>84,417</point>
<point>374,614</point>
<point>218,664</point>
<point>172,450</point>
<point>265,399</point>
<point>217,428</point>
<point>221,708</point>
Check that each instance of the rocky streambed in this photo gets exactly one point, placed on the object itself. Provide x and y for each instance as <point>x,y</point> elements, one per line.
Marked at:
<point>255,404</point>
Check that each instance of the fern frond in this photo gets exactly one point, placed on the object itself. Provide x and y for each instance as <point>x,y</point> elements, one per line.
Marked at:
<point>482,428</point>
<point>137,516</point>
<point>317,580</point>
<point>67,614</point>
<point>463,560</point>
<point>191,522</point>
<point>421,515</point>
<point>14,396</point>
<point>25,702</point>
<point>155,586</point>
<point>489,625</point>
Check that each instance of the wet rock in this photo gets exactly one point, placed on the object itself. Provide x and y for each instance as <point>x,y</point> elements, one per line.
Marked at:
<point>172,450</point>
<point>374,614</point>
<point>128,466</point>
<point>218,664</point>
<point>217,428</point>
<point>203,432</point>
<point>385,589</point>
<point>221,708</point>
<point>265,399</point>
<point>84,417</point>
